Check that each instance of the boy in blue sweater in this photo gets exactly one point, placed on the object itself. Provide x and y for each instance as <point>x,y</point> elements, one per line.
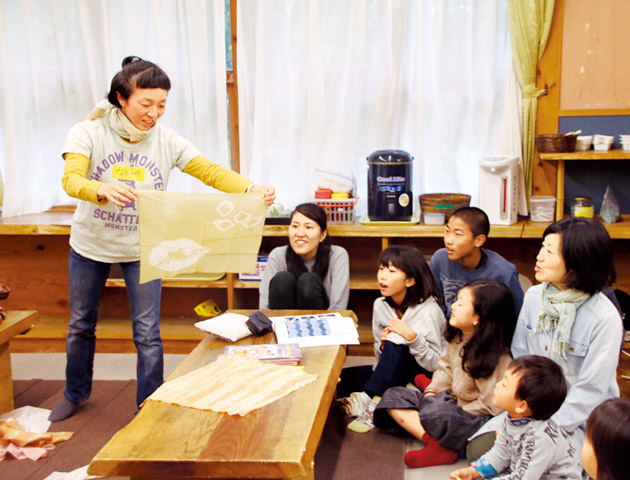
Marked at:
<point>464,259</point>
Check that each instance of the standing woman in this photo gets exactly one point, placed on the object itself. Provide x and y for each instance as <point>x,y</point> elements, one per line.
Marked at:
<point>110,158</point>
<point>567,317</point>
<point>310,272</point>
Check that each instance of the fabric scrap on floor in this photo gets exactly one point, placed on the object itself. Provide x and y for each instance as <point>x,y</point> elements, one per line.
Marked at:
<point>23,434</point>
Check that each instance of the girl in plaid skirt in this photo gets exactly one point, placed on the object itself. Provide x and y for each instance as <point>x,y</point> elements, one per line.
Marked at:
<point>459,398</point>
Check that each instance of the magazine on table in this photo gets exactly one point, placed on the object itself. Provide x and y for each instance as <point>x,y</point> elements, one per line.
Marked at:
<point>316,329</point>
<point>283,354</point>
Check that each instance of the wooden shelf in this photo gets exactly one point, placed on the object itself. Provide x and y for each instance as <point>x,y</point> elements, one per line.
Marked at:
<point>58,223</point>
<point>524,228</point>
<point>393,231</point>
<point>618,230</point>
<point>248,284</point>
<point>113,335</point>
<point>588,155</point>
<point>363,281</point>
<point>177,283</point>
<point>358,281</point>
<point>35,265</point>
<point>616,154</point>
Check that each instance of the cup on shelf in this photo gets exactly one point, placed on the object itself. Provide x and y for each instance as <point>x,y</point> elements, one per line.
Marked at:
<point>433,218</point>
<point>583,142</point>
<point>602,143</point>
<point>625,142</point>
<point>542,208</point>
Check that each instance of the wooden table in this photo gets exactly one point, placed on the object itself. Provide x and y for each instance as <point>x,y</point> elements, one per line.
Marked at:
<point>276,441</point>
<point>17,321</point>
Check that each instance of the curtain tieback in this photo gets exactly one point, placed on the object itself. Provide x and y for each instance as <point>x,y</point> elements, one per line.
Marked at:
<point>530,91</point>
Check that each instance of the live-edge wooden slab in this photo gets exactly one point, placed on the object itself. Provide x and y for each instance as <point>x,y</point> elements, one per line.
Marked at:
<point>276,441</point>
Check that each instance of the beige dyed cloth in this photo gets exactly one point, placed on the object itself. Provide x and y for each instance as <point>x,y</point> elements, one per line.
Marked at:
<point>233,384</point>
<point>199,232</point>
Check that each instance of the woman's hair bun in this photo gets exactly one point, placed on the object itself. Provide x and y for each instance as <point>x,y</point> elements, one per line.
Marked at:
<point>130,59</point>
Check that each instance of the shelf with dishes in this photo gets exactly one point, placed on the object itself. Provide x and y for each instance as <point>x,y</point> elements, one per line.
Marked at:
<point>57,224</point>
<point>589,155</point>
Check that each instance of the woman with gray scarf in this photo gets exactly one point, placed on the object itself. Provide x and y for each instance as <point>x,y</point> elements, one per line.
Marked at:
<point>118,152</point>
<point>568,319</point>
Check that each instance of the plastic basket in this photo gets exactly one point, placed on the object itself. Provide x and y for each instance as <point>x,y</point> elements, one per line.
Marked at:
<point>338,210</point>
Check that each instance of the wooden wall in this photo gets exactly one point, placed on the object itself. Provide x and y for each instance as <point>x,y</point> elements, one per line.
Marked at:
<point>595,60</point>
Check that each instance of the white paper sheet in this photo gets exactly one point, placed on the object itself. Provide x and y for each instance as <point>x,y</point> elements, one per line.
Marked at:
<point>77,474</point>
<point>33,419</point>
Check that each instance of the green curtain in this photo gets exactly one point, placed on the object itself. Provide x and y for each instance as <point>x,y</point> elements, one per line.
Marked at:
<point>529,22</point>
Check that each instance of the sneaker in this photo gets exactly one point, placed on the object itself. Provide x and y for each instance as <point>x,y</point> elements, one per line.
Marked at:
<point>365,422</point>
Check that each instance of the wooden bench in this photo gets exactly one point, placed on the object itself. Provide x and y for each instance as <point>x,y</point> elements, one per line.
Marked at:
<point>17,322</point>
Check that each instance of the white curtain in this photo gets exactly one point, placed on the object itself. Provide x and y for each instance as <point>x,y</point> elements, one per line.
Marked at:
<point>323,83</point>
<point>57,59</point>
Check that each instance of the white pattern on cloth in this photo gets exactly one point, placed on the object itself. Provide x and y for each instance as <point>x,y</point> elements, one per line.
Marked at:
<point>173,255</point>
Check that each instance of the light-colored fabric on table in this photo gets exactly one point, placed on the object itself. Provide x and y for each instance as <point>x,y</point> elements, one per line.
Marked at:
<point>233,384</point>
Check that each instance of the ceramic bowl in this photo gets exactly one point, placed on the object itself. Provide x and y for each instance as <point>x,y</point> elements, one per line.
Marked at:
<point>603,139</point>
<point>601,147</point>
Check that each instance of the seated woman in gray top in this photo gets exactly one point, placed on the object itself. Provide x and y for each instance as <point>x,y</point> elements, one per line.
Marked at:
<point>309,273</point>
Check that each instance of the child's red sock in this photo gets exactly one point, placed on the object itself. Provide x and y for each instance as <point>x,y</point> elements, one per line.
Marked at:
<point>422,381</point>
<point>432,454</point>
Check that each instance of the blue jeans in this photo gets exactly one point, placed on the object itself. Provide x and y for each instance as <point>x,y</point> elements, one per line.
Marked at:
<point>87,280</point>
<point>396,367</point>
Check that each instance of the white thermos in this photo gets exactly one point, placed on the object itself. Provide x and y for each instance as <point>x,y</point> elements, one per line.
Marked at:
<point>498,188</point>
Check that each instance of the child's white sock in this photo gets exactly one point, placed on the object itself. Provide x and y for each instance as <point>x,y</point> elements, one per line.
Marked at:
<point>365,422</point>
<point>355,404</point>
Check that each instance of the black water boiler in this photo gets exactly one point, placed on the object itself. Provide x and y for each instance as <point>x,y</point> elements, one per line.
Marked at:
<point>389,185</point>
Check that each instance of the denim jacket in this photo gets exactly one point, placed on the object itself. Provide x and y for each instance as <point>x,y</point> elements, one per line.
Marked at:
<point>591,361</point>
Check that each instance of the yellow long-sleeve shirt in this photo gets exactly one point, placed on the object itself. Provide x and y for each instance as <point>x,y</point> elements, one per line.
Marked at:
<point>76,184</point>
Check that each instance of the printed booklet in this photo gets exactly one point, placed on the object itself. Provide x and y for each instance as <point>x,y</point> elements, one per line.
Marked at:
<point>283,354</point>
<point>315,330</point>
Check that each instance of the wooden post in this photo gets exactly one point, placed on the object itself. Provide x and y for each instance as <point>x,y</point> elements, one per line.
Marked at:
<point>549,70</point>
<point>232,91</point>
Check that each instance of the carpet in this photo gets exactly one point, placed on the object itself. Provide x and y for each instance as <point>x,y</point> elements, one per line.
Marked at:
<point>341,454</point>
<point>346,455</point>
